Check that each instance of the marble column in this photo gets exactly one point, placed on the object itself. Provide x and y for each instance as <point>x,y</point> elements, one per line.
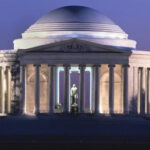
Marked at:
<point>8,72</point>
<point>2,104</point>
<point>143,90</point>
<point>134,104</point>
<point>23,89</point>
<point>139,89</point>
<point>148,90</point>
<point>37,89</point>
<point>66,88</point>
<point>17,82</point>
<point>96,88</point>
<point>81,93</point>
<point>51,89</point>
<point>111,89</point>
<point>125,89</point>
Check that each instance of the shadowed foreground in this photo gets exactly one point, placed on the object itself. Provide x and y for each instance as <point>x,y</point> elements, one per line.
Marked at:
<point>75,131</point>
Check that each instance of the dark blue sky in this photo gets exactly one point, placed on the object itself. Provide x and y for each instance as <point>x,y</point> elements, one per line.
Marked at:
<point>132,15</point>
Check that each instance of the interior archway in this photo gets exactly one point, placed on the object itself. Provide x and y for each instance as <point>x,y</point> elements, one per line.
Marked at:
<point>104,92</point>
<point>30,90</point>
<point>44,89</point>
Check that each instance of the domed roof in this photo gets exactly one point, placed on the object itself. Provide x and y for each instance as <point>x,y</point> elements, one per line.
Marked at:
<point>75,14</point>
<point>74,22</point>
<point>76,18</point>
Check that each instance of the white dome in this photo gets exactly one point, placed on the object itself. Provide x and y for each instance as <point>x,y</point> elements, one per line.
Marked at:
<point>74,22</point>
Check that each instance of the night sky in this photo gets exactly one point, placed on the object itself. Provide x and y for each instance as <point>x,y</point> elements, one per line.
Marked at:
<point>132,15</point>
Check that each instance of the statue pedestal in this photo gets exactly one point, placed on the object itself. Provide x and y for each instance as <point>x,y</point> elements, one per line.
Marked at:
<point>74,108</point>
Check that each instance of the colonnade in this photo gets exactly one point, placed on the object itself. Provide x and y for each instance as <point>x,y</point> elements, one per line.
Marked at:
<point>142,89</point>
<point>96,87</point>
<point>136,87</point>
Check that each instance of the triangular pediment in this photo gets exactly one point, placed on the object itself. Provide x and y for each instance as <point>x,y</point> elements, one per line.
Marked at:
<point>73,46</point>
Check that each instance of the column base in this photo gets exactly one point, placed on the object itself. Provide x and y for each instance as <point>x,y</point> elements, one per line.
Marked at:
<point>3,115</point>
<point>37,114</point>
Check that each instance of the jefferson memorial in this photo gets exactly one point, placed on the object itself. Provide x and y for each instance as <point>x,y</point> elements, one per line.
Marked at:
<point>74,46</point>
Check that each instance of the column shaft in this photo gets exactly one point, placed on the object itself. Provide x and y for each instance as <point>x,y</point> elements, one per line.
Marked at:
<point>148,91</point>
<point>111,89</point>
<point>66,89</point>
<point>142,97</point>
<point>23,89</point>
<point>125,90</point>
<point>51,87</point>
<point>139,90</point>
<point>134,108</point>
<point>97,83</point>
<point>37,89</point>
<point>2,110</point>
<point>17,90</point>
<point>8,89</point>
<point>81,96</point>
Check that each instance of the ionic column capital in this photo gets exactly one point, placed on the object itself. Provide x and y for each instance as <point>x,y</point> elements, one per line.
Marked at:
<point>126,65</point>
<point>37,65</point>
<point>111,65</point>
<point>82,66</point>
<point>97,65</point>
<point>66,65</point>
<point>23,65</point>
<point>8,66</point>
<point>51,65</point>
<point>141,68</point>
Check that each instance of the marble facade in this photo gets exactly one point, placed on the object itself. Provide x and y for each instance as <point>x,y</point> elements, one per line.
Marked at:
<point>36,77</point>
<point>120,84</point>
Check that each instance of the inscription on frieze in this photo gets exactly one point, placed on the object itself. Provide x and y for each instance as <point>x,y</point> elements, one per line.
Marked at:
<point>73,47</point>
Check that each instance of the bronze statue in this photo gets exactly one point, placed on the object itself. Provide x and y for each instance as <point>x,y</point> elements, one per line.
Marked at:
<point>74,97</point>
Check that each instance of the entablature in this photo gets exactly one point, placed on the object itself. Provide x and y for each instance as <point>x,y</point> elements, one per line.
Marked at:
<point>140,58</point>
<point>73,46</point>
<point>74,51</point>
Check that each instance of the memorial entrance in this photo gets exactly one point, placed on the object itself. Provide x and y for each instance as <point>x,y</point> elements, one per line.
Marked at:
<point>75,79</point>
